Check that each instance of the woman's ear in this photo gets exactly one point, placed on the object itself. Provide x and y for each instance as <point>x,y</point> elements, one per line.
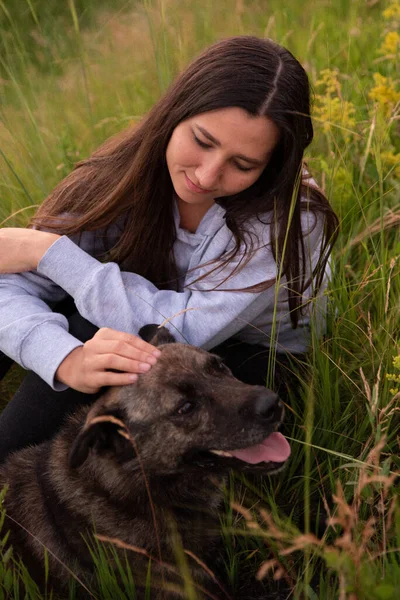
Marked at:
<point>156,335</point>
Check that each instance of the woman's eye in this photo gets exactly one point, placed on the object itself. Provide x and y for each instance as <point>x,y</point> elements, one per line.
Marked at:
<point>185,409</point>
<point>200,143</point>
<point>241,168</point>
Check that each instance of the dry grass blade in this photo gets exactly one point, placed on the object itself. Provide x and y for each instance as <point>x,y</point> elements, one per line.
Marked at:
<point>390,219</point>
<point>123,431</point>
<point>120,544</point>
<point>391,266</point>
<point>17,212</point>
<point>53,555</point>
<point>354,537</point>
<point>107,419</point>
<point>176,315</point>
<point>207,570</point>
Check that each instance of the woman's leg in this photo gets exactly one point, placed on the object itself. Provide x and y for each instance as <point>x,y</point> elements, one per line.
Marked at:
<point>36,411</point>
<point>5,364</point>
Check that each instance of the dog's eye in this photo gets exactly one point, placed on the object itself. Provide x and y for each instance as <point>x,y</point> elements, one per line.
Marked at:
<point>185,408</point>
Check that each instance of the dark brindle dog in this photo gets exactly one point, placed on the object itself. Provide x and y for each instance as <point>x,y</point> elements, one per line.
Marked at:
<point>185,420</point>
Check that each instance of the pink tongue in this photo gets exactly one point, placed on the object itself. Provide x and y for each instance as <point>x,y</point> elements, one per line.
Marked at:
<point>273,449</point>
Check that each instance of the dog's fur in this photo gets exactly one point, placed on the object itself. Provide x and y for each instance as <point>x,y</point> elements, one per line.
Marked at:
<point>150,439</point>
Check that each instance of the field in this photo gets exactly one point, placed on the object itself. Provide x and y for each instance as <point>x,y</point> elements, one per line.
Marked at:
<point>329,526</point>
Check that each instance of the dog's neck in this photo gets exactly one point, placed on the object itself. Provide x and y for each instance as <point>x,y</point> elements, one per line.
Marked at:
<point>166,492</point>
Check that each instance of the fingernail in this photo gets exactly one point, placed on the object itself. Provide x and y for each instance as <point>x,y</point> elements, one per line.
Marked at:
<point>156,353</point>
<point>151,360</point>
<point>133,377</point>
<point>144,366</point>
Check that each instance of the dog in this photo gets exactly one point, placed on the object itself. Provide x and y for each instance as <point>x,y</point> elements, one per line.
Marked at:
<point>141,457</point>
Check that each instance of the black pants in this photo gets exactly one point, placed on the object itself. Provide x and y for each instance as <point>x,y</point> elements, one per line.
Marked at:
<point>36,411</point>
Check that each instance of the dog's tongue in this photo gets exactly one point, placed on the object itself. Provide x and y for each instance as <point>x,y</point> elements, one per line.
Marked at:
<point>273,449</point>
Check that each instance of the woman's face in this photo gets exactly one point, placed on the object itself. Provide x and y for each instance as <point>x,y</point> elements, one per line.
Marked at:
<point>219,153</point>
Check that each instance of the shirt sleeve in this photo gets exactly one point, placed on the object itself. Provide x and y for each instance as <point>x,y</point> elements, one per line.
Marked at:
<point>38,339</point>
<point>108,297</point>
<point>30,333</point>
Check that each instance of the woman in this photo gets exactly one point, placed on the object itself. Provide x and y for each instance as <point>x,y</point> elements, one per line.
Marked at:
<point>202,215</point>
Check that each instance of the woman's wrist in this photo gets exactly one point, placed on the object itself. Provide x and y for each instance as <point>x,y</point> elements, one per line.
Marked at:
<point>63,373</point>
<point>45,241</point>
<point>22,249</point>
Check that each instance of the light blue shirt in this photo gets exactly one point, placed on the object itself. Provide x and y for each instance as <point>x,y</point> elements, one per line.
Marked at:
<point>38,338</point>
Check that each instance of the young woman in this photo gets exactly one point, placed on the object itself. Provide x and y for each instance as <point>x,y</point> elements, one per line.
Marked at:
<point>203,215</point>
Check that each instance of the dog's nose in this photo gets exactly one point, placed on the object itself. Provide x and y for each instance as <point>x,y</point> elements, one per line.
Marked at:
<point>264,405</point>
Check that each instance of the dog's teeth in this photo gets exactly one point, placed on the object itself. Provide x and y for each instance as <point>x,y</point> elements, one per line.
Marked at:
<point>221,453</point>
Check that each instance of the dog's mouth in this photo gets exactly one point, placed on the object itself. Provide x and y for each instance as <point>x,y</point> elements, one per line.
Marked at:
<point>268,455</point>
<point>275,448</point>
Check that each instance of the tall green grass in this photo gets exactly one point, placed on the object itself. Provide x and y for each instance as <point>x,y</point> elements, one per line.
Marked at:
<point>111,70</point>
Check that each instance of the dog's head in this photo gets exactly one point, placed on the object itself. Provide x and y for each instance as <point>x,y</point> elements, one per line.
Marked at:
<point>187,412</point>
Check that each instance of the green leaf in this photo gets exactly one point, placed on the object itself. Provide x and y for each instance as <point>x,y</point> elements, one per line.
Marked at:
<point>8,580</point>
<point>310,593</point>
<point>148,582</point>
<point>7,555</point>
<point>384,591</point>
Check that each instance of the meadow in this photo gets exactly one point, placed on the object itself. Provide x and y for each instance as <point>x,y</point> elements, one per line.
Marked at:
<point>329,526</point>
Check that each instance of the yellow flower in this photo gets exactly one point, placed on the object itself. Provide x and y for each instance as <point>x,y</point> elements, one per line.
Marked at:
<point>330,108</point>
<point>392,12</point>
<point>391,43</point>
<point>390,159</point>
<point>329,79</point>
<point>384,93</point>
<point>394,377</point>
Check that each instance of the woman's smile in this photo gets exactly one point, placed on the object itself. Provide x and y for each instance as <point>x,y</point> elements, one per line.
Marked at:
<point>194,188</point>
<point>219,153</point>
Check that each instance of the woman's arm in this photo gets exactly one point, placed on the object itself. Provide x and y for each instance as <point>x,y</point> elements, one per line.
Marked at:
<point>30,333</point>
<point>125,301</point>
<point>110,298</point>
<point>38,338</point>
<point>21,249</point>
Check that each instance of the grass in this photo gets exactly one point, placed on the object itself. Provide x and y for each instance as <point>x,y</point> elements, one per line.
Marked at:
<point>111,69</point>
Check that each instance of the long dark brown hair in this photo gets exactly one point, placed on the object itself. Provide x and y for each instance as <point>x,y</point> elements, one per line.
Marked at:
<point>127,177</point>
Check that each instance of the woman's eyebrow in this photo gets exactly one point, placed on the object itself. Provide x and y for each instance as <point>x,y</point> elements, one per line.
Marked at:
<point>212,139</point>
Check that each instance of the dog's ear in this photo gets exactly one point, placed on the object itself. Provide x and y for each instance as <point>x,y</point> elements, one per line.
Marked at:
<point>104,434</point>
<point>156,335</point>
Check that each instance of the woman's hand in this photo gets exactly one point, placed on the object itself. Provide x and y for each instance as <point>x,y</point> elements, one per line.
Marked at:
<point>21,249</point>
<point>92,366</point>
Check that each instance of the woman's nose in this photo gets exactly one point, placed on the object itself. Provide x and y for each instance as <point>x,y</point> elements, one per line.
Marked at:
<point>208,174</point>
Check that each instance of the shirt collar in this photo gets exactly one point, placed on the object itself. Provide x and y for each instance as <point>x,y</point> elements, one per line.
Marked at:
<point>208,226</point>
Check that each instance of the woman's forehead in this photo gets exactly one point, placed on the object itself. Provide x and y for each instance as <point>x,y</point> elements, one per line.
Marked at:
<point>237,130</point>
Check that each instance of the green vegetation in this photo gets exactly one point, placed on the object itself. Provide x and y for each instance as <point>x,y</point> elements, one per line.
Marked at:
<point>56,107</point>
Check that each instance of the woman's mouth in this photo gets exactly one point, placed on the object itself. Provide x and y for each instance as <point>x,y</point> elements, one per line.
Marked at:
<point>194,188</point>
